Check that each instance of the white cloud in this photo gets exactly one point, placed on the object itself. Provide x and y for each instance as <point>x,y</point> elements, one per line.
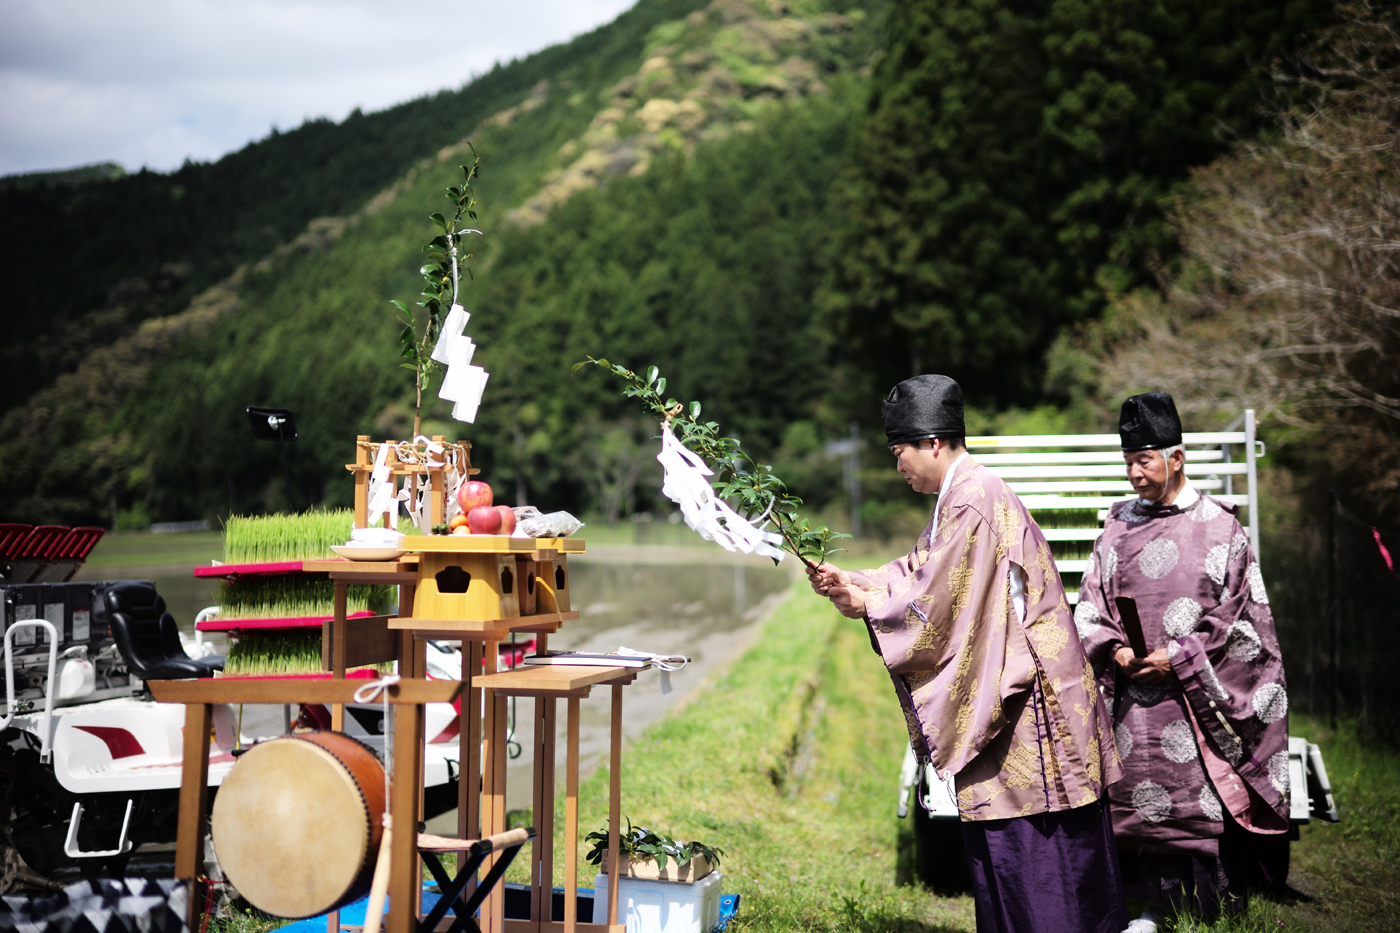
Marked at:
<point>153,82</point>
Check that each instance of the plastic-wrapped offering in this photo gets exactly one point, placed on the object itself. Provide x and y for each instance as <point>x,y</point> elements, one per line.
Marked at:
<point>535,524</point>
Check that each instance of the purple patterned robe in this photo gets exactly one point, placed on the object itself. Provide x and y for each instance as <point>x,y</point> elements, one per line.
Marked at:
<point>1215,739</point>
<point>1010,708</point>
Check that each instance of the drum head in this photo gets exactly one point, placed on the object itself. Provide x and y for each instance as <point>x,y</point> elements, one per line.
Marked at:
<point>291,825</point>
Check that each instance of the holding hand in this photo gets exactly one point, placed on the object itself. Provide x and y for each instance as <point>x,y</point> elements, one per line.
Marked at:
<point>835,584</point>
<point>1152,670</point>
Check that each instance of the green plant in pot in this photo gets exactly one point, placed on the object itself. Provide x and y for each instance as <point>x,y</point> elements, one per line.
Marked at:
<point>640,846</point>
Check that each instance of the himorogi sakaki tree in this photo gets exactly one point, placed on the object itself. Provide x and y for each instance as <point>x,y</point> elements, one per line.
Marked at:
<point>447,260</point>
<point>1013,167</point>
<point>762,498</point>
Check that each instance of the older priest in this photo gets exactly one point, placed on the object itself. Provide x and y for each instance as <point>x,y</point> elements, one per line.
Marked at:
<point>979,641</point>
<point>1200,722</point>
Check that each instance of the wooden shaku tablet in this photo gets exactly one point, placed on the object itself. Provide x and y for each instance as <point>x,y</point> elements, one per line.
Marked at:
<point>1132,624</point>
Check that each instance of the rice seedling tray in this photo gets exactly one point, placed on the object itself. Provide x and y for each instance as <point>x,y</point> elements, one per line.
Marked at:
<point>229,625</point>
<point>364,673</point>
<point>235,570</point>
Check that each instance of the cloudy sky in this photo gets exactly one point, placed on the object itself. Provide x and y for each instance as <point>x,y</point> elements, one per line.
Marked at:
<point>153,82</point>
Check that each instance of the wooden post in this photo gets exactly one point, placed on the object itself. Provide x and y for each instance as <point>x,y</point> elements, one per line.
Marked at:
<point>337,665</point>
<point>539,909</point>
<point>335,647</point>
<point>571,821</point>
<point>194,800</point>
<point>469,745</point>
<point>493,748</point>
<point>362,459</point>
<point>405,874</point>
<point>437,484</point>
<point>614,802</point>
<point>542,860</point>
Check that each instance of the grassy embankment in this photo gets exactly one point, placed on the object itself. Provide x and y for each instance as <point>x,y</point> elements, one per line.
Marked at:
<point>789,762</point>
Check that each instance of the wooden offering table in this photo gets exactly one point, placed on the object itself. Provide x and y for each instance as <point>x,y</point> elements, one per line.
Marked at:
<point>199,696</point>
<point>546,684</point>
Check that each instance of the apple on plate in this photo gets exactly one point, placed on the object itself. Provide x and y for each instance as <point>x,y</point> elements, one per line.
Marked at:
<point>472,494</point>
<point>484,520</point>
<point>507,519</point>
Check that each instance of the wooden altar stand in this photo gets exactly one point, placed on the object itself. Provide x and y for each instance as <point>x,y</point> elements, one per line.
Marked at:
<point>349,643</point>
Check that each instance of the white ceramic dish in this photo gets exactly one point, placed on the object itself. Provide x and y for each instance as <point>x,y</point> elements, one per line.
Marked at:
<point>358,552</point>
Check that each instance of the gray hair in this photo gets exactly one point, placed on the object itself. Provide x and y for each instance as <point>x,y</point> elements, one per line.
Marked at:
<point>1167,452</point>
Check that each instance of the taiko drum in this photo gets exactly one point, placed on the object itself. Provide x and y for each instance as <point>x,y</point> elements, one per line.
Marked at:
<point>297,823</point>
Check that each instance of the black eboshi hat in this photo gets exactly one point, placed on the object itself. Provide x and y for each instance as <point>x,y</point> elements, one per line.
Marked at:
<point>923,407</point>
<point>1149,422</point>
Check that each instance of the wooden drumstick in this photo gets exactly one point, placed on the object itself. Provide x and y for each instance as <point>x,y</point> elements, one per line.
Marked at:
<point>379,887</point>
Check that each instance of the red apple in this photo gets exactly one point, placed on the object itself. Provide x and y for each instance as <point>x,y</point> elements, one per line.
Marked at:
<point>484,520</point>
<point>507,519</point>
<point>473,494</point>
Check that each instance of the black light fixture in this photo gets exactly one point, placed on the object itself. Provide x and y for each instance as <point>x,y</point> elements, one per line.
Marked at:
<point>275,424</point>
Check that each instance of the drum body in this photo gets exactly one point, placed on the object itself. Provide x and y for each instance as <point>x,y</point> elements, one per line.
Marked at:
<point>297,823</point>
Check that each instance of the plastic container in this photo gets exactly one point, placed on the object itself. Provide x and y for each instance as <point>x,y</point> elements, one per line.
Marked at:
<point>661,906</point>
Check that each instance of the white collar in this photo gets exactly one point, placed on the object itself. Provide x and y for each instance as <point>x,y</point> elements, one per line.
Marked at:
<point>1184,499</point>
<point>948,477</point>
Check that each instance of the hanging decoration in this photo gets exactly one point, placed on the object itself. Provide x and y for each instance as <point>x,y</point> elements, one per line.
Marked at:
<point>761,499</point>
<point>445,325</point>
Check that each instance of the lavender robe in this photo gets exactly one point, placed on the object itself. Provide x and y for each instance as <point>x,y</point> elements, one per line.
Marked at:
<point>1215,739</point>
<point>1010,707</point>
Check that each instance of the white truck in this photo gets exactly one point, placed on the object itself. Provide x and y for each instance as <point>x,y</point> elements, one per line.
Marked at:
<point>1069,481</point>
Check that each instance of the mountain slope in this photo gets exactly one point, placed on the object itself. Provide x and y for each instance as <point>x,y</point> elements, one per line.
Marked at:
<point>73,255</point>
<point>309,327</point>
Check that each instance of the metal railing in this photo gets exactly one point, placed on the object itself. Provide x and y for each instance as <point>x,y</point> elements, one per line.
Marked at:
<point>1078,472</point>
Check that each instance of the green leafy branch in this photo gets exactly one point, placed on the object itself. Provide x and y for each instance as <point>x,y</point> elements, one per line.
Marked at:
<point>760,495</point>
<point>441,277</point>
<point>641,844</point>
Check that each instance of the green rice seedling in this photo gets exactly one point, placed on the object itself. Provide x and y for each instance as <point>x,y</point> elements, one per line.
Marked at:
<point>280,596</point>
<point>258,539</point>
<point>278,651</point>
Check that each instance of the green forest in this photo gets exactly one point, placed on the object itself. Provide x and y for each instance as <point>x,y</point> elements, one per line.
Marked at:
<point>787,206</point>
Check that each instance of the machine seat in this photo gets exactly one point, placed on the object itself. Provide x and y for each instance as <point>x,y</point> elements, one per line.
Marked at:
<point>147,637</point>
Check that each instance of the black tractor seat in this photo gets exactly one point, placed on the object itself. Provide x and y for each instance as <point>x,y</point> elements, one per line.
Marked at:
<point>147,637</point>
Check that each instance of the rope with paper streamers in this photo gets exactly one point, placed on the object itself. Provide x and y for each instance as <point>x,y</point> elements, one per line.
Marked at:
<point>704,494</point>
<point>420,456</point>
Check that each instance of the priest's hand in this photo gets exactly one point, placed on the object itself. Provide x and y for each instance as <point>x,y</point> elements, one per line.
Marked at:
<point>827,576</point>
<point>1152,670</point>
<point>848,599</point>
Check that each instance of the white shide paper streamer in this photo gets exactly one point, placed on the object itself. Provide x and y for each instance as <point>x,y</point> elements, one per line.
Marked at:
<point>706,513</point>
<point>464,383</point>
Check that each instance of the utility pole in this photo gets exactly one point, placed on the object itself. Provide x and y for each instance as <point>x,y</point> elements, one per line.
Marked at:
<point>848,449</point>
<point>1333,616</point>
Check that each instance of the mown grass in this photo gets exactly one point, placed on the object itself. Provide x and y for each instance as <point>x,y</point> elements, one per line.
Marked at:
<point>790,763</point>
<point>1343,876</point>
